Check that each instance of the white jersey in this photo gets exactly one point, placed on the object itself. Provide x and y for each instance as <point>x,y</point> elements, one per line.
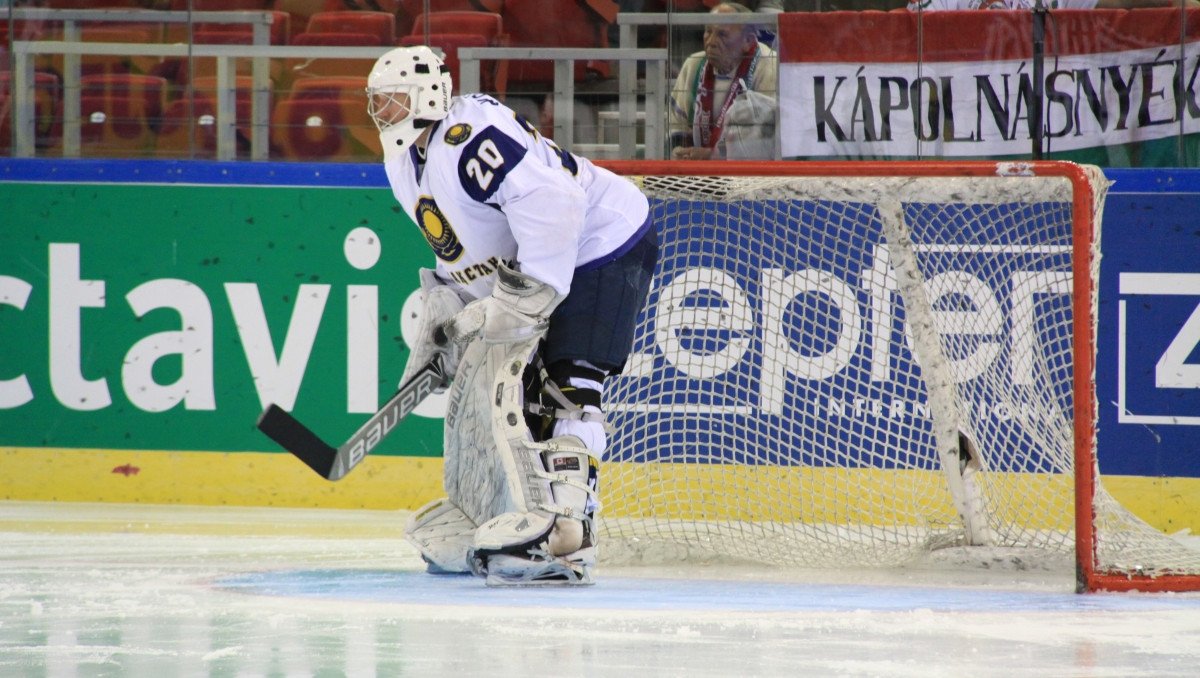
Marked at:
<point>934,5</point>
<point>492,190</point>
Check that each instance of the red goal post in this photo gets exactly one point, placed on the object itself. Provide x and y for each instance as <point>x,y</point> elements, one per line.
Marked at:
<point>775,408</point>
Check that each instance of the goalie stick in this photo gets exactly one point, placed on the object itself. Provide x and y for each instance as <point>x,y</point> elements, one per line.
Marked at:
<point>334,464</point>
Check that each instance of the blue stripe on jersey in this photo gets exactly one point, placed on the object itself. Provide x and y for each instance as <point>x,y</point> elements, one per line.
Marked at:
<point>643,231</point>
<point>568,161</point>
<point>486,160</point>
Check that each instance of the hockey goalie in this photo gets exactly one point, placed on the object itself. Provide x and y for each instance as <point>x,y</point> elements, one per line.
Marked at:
<point>543,262</point>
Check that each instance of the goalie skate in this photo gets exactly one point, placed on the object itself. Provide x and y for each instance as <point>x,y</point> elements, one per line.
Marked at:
<point>538,568</point>
<point>555,544</point>
<point>515,549</point>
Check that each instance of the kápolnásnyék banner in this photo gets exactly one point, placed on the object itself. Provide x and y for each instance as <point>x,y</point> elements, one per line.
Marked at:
<point>1119,90</point>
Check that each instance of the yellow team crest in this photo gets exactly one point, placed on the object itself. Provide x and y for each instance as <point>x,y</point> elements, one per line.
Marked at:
<point>438,233</point>
<point>457,134</point>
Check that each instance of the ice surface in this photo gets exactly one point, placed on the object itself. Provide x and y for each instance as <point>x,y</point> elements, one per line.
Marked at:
<point>154,591</point>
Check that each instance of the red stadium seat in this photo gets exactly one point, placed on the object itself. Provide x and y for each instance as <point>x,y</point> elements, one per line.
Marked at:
<point>206,36</point>
<point>679,5</point>
<point>100,64</point>
<point>333,130</point>
<point>241,33</point>
<point>488,24</point>
<point>115,127</point>
<point>221,5</point>
<point>296,69</point>
<point>330,88</point>
<point>47,107</point>
<point>409,10</point>
<point>24,29</point>
<point>150,89</point>
<point>243,89</point>
<point>565,23</point>
<point>380,24</point>
<point>445,31</point>
<point>120,114</point>
<point>90,4</point>
<point>196,68</point>
<point>337,39</point>
<point>301,10</point>
<point>182,70</point>
<point>189,130</point>
<point>208,85</point>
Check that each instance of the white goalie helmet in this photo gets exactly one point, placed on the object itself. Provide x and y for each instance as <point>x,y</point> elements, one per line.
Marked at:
<point>408,89</point>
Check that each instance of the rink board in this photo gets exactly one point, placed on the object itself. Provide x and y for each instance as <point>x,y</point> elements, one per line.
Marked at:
<point>278,235</point>
<point>405,483</point>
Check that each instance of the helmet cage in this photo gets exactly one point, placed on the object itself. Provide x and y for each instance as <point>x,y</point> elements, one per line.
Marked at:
<point>390,106</point>
<point>408,90</point>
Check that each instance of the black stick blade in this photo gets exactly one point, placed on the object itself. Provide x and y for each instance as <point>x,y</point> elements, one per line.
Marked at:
<point>296,438</point>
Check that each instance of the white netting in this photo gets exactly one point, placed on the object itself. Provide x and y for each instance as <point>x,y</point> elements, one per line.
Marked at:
<point>775,410</point>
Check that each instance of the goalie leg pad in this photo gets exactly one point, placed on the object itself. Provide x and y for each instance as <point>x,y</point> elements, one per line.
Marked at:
<point>533,501</point>
<point>488,470</point>
<point>554,545</point>
<point>443,534</point>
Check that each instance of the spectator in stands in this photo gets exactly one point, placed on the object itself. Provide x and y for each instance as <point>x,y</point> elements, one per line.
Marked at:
<point>733,80</point>
<point>934,5</point>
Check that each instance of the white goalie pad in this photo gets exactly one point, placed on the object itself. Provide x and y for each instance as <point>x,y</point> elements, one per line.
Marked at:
<point>552,546</point>
<point>488,470</point>
<point>443,534</point>
<point>533,501</point>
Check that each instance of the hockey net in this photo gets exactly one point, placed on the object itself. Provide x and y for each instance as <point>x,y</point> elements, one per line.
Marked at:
<point>858,363</point>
